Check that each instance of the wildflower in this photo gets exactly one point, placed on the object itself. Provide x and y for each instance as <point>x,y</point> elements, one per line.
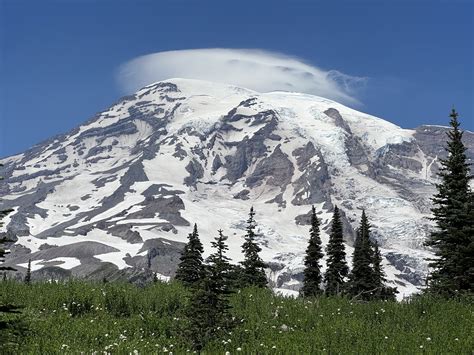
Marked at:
<point>456,339</point>
<point>239,349</point>
<point>428,339</point>
<point>274,347</point>
<point>386,337</point>
<point>421,346</point>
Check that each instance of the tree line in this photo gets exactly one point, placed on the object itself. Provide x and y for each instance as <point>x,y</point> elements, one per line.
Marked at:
<point>214,279</point>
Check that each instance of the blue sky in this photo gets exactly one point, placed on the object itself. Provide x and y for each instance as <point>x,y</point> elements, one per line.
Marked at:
<point>59,59</point>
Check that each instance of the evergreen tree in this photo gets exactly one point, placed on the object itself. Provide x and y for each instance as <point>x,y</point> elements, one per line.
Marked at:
<point>9,327</point>
<point>312,272</point>
<point>378,274</point>
<point>208,313</point>
<point>4,240</point>
<point>28,273</point>
<point>361,278</point>
<point>382,291</point>
<point>453,239</point>
<point>191,269</point>
<point>337,268</point>
<point>253,267</point>
<point>219,271</point>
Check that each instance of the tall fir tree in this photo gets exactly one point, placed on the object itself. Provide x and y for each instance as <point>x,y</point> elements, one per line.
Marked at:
<point>252,272</point>
<point>453,239</point>
<point>191,268</point>
<point>361,278</point>
<point>337,268</point>
<point>314,253</point>
<point>28,273</point>
<point>208,312</point>
<point>383,291</point>
<point>4,240</point>
<point>10,328</point>
<point>378,274</point>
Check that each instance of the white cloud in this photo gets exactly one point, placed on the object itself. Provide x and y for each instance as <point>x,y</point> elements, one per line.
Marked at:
<point>258,70</point>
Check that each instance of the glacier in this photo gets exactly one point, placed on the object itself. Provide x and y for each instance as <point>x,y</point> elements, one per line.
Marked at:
<point>117,196</point>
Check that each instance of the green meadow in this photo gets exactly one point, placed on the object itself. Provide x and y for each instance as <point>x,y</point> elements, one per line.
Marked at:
<point>82,317</point>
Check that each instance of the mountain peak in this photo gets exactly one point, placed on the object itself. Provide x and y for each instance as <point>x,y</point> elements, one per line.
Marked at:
<point>120,193</point>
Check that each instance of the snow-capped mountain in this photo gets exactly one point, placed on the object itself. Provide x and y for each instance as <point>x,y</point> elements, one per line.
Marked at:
<point>118,195</point>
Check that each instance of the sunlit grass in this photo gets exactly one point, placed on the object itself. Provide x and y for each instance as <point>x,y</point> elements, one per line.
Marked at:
<point>121,318</point>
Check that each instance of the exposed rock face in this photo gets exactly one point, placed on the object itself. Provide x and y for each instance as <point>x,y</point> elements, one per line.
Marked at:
<point>117,196</point>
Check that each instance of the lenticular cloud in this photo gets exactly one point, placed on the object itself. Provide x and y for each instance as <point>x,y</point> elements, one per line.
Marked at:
<point>258,70</point>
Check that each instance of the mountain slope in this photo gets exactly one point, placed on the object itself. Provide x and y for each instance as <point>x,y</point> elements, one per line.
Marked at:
<point>117,196</point>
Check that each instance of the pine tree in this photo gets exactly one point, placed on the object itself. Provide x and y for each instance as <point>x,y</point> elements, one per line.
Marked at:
<point>191,269</point>
<point>382,291</point>
<point>28,273</point>
<point>378,274</point>
<point>314,254</point>
<point>337,268</point>
<point>253,267</point>
<point>361,278</point>
<point>9,327</point>
<point>208,313</point>
<point>219,270</point>
<point>453,239</point>
<point>4,240</point>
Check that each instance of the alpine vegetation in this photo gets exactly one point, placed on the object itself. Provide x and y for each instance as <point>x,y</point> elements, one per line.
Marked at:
<point>252,271</point>
<point>208,312</point>
<point>337,269</point>
<point>312,272</point>
<point>366,277</point>
<point>9,324</point>
<point>191,268</point>
<point>453,212</point>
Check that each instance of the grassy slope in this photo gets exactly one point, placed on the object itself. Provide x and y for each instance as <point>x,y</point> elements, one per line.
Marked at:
<point>121,318</point>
